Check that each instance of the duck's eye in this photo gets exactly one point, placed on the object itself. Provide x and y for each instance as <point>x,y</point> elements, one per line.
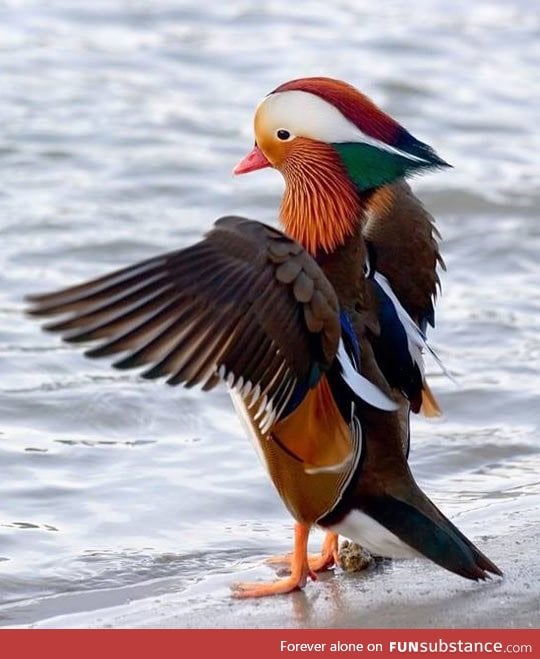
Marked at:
<point>283,134</point>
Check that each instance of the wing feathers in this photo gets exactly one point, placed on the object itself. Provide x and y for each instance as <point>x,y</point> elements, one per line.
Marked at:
<point>49,302</point>
<point>360,386</point>
<point>246,298</point>
<point>128,332</point>
<point>246,305</point>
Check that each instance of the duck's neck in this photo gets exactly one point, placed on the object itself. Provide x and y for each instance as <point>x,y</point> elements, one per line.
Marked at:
<point>321,207</point>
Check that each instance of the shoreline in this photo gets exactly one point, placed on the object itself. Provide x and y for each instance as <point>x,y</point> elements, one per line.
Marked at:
<point>393,594</point>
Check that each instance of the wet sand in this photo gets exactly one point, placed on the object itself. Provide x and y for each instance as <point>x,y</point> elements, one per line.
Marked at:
<point>129,503</point>
<point>400,594</point>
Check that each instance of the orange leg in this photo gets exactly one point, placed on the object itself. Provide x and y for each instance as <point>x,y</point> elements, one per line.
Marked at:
<point>300,571</point>
<point>329,553</point>
<point>328,557</point>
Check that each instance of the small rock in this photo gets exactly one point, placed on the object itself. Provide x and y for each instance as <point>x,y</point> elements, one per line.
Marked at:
<point>353,557</point>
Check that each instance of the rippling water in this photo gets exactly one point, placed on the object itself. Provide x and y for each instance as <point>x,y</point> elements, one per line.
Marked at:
<point>121,122</point>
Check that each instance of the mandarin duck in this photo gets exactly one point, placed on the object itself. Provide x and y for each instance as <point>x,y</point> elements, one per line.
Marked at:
<point>317,329</point>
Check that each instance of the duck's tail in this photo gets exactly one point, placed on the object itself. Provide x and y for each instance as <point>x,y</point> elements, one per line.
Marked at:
<point>390,526</point>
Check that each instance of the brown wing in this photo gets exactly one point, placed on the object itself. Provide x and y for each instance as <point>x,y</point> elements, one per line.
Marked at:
<point>405,240</point>
<point>246,304</point>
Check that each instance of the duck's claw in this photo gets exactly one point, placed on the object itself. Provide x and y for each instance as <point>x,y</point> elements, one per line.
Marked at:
<point>299,568</point>
<point>263,589</point>
<point>328,557</point>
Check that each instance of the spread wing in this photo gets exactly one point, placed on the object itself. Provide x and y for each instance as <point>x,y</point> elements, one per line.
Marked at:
<point>246,305</point>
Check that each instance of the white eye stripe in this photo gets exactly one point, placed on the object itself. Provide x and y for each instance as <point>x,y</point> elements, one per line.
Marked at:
<point>308,115</point>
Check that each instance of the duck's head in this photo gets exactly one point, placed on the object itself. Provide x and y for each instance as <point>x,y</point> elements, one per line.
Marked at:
<point>332,145</point>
